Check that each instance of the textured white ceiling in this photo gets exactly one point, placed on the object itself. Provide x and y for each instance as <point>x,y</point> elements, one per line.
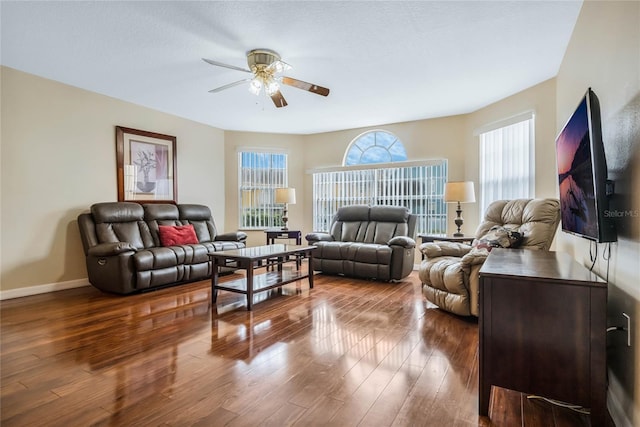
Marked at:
<point>384,61</point>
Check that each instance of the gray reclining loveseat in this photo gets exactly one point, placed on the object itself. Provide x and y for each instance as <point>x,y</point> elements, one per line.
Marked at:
<point>374,242</point>
<point>124,247</point>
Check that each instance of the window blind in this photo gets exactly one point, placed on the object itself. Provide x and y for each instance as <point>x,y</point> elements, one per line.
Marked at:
<point>507,165</point>
<point>418,187</point>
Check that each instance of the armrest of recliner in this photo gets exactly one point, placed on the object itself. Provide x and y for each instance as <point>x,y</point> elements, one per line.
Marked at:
<point>233,236</point>
<point>475,256</point>
<point>404,241</point>
<point>110,249</point>
<point>434,250</point>
<point>318,237</point>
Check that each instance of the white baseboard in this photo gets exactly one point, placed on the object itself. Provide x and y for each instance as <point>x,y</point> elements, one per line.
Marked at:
<point>42,289</point>
<point>616,403</point>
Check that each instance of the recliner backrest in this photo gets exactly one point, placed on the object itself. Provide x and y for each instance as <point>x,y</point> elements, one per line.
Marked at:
<point>349,224</point>
<point>121,222</point>
<point>200,217</point>
<point>375,224</point>
<point>157,214</point>
<point>387,222</point>
<point>536,219</point>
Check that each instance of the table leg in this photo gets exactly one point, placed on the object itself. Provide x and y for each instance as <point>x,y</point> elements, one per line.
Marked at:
<point>249,268</point>
<point>299,258</point>
<point>310,269</point>
<point>214,280</point>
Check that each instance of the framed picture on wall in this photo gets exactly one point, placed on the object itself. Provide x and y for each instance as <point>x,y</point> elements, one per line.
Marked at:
<point>146,166</point>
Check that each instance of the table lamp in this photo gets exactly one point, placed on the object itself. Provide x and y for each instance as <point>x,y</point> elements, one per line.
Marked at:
<point>459,192</point>
<point>286,196</point>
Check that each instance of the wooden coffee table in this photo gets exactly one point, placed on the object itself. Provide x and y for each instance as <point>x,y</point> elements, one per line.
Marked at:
<point>249,259</point>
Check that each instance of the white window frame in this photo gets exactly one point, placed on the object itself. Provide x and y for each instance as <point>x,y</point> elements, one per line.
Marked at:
<point>256,188</point>
<point>507,160</point>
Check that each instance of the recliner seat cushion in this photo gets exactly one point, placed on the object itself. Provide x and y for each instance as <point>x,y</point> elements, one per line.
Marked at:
<point>369,253</point>
<point>157,258</point>
<point>191,254</point>
<point>332,250</point>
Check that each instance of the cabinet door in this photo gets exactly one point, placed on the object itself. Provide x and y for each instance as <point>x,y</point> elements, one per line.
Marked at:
<point>539,338</point>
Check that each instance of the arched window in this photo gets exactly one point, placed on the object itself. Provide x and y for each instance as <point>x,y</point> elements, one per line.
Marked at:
<point>376,146</point>
<point>375,171</point>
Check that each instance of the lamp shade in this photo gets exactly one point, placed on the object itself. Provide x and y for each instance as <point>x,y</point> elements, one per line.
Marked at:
<point>459,191</point>
<point>286,195</point>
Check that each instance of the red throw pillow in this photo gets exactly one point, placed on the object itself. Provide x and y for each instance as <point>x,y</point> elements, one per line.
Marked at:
<point>171,235</point>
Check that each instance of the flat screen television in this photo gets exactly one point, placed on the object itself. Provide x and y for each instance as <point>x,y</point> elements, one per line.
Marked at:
<point>582,174</point>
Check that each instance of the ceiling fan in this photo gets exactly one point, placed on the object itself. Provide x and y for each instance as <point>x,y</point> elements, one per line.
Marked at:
<point>266,67</point>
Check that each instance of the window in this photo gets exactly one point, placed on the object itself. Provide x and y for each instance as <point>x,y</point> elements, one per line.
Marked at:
<point>419,187</point>
<point>374,173</point>
<point>507,168</point>
<point>376,146</point>
<point>259,174</point>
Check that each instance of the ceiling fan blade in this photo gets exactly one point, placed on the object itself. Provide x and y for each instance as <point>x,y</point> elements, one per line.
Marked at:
<point>220,64</point>
<point>278,99</point>
<point>227,86</point>
<point>305,86</point>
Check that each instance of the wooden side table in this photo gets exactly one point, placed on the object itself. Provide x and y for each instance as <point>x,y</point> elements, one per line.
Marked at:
<point>274,234</point>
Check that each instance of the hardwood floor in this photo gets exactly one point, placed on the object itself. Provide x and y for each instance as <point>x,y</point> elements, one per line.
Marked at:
<point>348,352</point>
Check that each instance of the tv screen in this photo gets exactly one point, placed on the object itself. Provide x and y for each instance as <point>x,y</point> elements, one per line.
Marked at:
<point>582,173</point>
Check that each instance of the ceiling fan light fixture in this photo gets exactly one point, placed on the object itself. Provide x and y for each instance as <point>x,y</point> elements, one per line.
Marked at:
<point>272,87</point>
<point>266,67</point>
<point>281,66</point>
<point>255,86</point>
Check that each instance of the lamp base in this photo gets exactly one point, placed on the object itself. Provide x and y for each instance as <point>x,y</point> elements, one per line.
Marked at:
<point>458,221</point>
<point>285,219</point>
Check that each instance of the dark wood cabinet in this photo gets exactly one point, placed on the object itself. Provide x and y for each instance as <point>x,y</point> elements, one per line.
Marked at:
<point>543,329</point>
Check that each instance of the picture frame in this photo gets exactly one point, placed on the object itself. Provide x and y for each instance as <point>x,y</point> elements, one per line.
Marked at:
<point>146,166</point>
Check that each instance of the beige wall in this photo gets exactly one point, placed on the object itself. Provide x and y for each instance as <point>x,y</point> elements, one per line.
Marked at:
<point>58,157</point>
<point>541,100</point>
<point>604,54</point>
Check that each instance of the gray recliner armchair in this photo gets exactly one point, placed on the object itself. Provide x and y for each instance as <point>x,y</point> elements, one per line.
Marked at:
<point>450,271</point>
<point>374,242</point>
